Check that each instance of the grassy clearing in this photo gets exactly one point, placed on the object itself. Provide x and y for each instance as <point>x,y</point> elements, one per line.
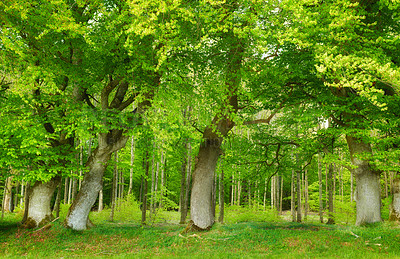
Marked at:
<point>236,239</point>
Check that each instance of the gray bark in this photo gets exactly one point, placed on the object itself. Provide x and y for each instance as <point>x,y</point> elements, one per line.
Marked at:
<point>367,180</point>
<point>38,211</point>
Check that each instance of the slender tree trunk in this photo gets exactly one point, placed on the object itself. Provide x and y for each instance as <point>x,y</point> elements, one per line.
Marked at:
<point>265,194</point>
<point>214,195</point>
<point>331,217</point>
<point>56,208</point>
<point>293,198</point>
<point>183,191</point>
<point>281,196</point>
<point>66,190</point>
<point>351,186</point>
<point>101,200</point>
<point>188,180</point>
<point>114,191</point>
<point>21,201</point>
<point>305,195</point>
<point>39,203</point>
<point>152,190</point>
<point>131,169</point>
<point>395,205</point>
<point>144,193</point>
<point>298,190</point>
<point>321,204</point>
<point>71,179</point>
<point>233,189</point>
<point>221,197</point>
<point>386,185</point>
<point>368,186</point>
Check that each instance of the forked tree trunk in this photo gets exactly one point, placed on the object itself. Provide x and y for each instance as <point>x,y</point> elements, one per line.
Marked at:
<point>78,214</point>
<point>38,212</point>
<point>367,180</point>
<point>395,206</point>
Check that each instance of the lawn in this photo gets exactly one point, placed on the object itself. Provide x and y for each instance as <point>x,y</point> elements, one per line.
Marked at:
<point>274,239</point>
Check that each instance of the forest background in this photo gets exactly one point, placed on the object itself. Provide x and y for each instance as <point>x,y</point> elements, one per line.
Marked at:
<point>194,105</point>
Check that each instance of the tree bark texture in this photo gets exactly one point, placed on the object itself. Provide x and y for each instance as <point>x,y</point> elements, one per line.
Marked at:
<point>203,180</point>
<point>39,212</point>
<point>368,197</point>
<point>78,214</point>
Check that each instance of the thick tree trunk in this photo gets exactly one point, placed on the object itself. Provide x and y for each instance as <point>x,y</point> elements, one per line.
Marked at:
<point>78,214</point>
<point>131,169</point>
<point>7,194</point>
<point>395,206</point>
<point>368,186</point>
<point>203,180</point>
<point>39,212</point>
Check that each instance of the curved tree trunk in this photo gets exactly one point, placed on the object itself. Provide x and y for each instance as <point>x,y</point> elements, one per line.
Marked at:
<point>78,214</point>
<point>38,212</point>
<point>201,209</point>
<point>368,196</point>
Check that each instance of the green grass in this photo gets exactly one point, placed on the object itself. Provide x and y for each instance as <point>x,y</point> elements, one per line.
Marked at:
<point>236,239</point>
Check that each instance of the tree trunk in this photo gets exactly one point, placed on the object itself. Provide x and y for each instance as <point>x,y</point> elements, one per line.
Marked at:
<point>101,200</point>
<point>221,197</point>
<point>331,217</point>
<point>305,195</point>
<point>183,191</point>
<point>39,203</point>
<point>203,180</point>
<point>78,214</point>
<point>56,208</point>
<point>114,191</point>
<point>395,206</point>
<point>321,204</point>
<point>66,190</point>
<point>188,180</point>
<point>298,191</point>
<point>368,186</point>
<point>293,198</point>
<point>144,192</point>
<point>7,194</point>
<point>131,169</point>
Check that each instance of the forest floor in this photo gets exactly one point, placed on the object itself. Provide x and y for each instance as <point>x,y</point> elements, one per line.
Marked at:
<point>271,239</point>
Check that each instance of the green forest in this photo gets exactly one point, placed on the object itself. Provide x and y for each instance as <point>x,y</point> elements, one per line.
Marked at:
<point>193,117</point>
